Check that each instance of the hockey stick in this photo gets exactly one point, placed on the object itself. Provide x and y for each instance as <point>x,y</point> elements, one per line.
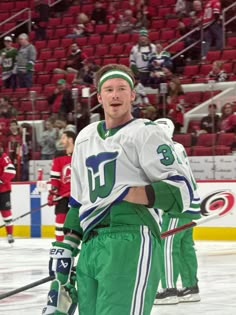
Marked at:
<point>208,209</point>
<point>35,210</point>
<point>26,287</point>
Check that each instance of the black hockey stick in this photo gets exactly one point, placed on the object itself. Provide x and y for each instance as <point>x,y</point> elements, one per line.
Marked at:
<point>26,287</point>
<point>34,210</point>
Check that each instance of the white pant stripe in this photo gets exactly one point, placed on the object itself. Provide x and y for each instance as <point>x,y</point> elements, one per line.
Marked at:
<point>168,258</point>
<point>143,269</point>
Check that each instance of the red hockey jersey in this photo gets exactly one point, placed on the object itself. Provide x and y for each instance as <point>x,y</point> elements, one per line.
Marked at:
<point>212,7</point>
<point>61,173</point>
<point>7,172</point>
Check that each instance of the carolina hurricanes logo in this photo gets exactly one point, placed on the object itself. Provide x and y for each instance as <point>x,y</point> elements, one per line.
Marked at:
<point>66,173</point>
<point>219,202</point>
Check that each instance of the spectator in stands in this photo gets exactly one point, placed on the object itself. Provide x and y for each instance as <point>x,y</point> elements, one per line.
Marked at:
<point>25,61</point>
<point>7,61</point>
<point>157,61</point>
<point>83,116</point>
<point>99,14</point>
<point>140,55</point>
<point>48,141</point>
<point>217,73</point>
<point>74,61</point>
<point>175,103</point>
<point>210,123</point>
<point>195,21</point>
<point>61,125</point>
<point>227,121</point>
<point>180,8</point>
<point>125,23</point>
<point>42,14</point>
<point>86,74</point>
<point>112,13</point>
<point>61,99</point>
<point>141,99</point>
<point>83,28</point>
<point>212,27</point>
<point>14,143</point>
<point>141,21</point>
<point>7,111</point>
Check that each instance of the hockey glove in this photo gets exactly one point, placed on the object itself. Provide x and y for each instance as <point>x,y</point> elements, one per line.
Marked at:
<point>53,194</point>
<point>61,300</point>
<point>62,260</point>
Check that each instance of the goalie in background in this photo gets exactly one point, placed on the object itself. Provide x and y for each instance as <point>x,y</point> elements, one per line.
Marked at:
<point>60,181</point>
<point>7,173</point>
<point>179,256</point>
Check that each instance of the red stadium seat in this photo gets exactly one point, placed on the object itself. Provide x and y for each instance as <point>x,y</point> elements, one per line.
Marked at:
<point>127,48</point>
<point>193,125</point>
<point>122,38</point>
<point>213,55</point>
<point>163,11</point>
<point>39,66</point>
<point>82,41</point>
<point>101,50</point>
<point>51,65</point>
<point>48,90</point>
<point>94,40</point>
<point>202,151</point>
<point>231,42</point>
<point>206,139</point>
<point>53,43</point>
<point>209,94</point>
<point>89,51</point>
<point>185,139</point>
<point>167,35</point>
<point>205,69</point>
<point>222,150</point>
<point>193,98</point>
<point>154,36</point>
<point>56,21</point>
<point>124,61</point>
<point>228,67</point>
<point>40,44</point>
<point>228,54</point>
<point>101,28</point>
<point>116,49</point>
<point>55,77</point>
<point>225,139</point>
<point>66,42</point>
<point>41,105</point>
<point>172,23</point>
<point>45,54</point>
<point>106,61</point>
<point>60,32</point>
<point>108,39</point>
<point>190,71</point>
<point>68,20</point>
<point>59,53</point>
<point>157,24</point>
<point>43,79</point>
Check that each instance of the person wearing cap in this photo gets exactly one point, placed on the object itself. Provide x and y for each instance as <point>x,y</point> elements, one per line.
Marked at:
<point>60,100</point>
<point>140,55</point>
<point>7,60</point>
<point>179,256</point>
<point>122,169</point>
<point>25,61</point>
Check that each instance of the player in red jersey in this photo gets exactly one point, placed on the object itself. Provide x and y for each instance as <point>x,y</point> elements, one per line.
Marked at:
<point>7,173</point>
<point>212,26</point>
<point>60,182</point>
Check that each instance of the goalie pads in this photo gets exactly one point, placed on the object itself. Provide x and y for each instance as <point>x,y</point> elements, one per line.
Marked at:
<point>61,300</point>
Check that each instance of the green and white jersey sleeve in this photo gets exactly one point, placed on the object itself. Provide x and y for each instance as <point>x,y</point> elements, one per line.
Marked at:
<point>106,163</point>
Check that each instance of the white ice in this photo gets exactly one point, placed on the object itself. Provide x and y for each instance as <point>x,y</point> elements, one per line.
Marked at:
<point>27,261</point>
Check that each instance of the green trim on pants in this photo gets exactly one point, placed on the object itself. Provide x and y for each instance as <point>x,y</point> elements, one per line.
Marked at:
<point>179,256</point>
<point>118,272</point>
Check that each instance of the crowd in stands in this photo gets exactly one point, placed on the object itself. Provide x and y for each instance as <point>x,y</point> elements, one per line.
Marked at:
<point>151,63</point>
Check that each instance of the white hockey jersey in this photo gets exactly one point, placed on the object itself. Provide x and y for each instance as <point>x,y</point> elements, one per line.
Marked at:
<point>140,56</point>
<point>106,163</point>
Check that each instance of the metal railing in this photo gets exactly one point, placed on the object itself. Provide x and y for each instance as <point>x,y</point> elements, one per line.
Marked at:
<point>225,23</point>
<point>51,3</point>
<point>28,20</point>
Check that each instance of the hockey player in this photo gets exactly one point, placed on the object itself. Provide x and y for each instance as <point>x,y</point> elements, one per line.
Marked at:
<point>7,173</point>
<point>179,257</point>
<point>121,170</point>
<point>60,182</point>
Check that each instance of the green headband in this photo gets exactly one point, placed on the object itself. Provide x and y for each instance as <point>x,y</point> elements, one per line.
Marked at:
<point>115,74</point>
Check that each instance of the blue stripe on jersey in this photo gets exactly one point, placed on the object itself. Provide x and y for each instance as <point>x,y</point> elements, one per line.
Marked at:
<point>73,202</point>
<point>101,216</point>
<point>178,178</point>
<point>89,211</point>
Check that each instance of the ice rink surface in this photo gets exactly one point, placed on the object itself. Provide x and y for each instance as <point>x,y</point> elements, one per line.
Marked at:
<point>27,261</point>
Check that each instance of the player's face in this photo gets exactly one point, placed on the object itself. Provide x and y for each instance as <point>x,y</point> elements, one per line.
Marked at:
<point>116,97</point>
<point>64,140</point>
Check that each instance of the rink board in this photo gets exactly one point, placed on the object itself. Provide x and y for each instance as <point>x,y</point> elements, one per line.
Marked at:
<point>25,197</point>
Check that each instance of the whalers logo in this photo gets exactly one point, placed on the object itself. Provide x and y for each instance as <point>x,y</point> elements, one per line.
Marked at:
<point>220,201</point>
<point>101,174</point>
